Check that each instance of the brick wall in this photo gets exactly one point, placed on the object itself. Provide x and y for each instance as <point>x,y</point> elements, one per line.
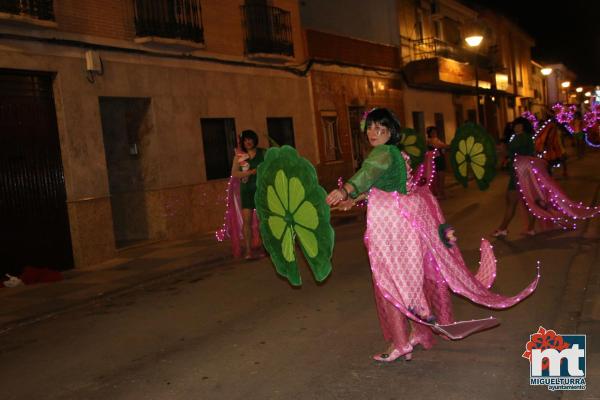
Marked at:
<point>332,47</point>
<point>108,18</point>
<point>221,21</point>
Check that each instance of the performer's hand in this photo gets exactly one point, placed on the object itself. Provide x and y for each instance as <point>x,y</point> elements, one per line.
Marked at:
<point>335,196</point>
<point>344,205</point>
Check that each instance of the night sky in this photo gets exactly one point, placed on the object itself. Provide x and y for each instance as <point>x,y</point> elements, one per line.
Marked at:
<point>564,31</point>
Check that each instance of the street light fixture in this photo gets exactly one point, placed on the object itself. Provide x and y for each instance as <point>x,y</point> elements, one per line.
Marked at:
<point>474,41</point>
<point>588,94</point>
<point>565,84</point>
<point>546,71</point>
<point>579,90</point>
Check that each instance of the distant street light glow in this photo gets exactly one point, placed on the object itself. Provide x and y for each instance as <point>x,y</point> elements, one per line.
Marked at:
<point>565,84</point>
<point>546,71</point>
<point>579,90</point>
<point>474,41</point>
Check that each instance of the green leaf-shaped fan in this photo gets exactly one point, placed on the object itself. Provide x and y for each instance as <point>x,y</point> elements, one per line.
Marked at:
<point>290,203</point>
<point>473,149</point>
<point>413,144</point>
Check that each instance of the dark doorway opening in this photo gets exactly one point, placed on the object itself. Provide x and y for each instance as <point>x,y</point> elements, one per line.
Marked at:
<point>126,128</point>
<point>34,227</point>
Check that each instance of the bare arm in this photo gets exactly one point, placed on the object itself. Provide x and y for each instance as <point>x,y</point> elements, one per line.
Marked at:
<point>437,143</point>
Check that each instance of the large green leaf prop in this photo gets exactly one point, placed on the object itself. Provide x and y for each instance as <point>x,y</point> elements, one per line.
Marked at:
<point>473,151</point>
<point>413,144</point>
<point>291,204</point>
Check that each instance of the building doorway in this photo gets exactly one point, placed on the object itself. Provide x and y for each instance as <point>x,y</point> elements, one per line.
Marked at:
<point>33,209</point>
<point>126,130</point>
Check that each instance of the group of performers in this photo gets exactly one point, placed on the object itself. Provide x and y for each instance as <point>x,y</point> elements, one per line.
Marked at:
<point>414,258</point>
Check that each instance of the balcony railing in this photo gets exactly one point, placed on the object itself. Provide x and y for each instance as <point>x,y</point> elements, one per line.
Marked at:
<point>433,47</point>
<point>172,19</point>
<point>38,9</point>
<point>268,30</point>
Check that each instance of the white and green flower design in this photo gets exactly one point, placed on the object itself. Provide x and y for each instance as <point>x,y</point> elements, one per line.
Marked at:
<point>413,144</point>
<point>470,153</point>
<point>473,149</point>
<point>291,205</point>
<point>291,215</point>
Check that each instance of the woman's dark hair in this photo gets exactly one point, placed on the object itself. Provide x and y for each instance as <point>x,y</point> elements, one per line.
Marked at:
<point>430,129</point>
<point>248,134</point>
<point>385,117</point>
<point>527,127</point>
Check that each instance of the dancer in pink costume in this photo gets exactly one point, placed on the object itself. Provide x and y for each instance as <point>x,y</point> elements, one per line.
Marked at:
<point>520,143</point>
<point>544,198</point>
<point>241,221</point>
<point>413,256</point>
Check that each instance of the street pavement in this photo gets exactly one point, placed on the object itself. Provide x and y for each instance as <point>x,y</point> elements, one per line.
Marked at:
<point>182,320</point>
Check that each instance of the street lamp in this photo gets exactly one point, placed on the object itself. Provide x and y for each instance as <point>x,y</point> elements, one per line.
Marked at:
<point>565,85</point>
<point>474,41</point>
<point>546,72</point>
<point>579,90</point>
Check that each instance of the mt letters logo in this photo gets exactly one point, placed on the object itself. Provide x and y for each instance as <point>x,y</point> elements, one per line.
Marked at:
<point>557,361</point>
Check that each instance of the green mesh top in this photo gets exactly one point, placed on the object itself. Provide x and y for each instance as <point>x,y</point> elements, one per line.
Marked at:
<point>383,169</point>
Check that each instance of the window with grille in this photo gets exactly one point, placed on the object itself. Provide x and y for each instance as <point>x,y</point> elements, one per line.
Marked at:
<point>173,19</point>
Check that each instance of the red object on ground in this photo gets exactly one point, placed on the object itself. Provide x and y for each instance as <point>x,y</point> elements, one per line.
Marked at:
<point>32,275</point>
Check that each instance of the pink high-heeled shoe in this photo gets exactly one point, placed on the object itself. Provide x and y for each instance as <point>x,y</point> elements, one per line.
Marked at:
<point>414,343</point>
<point>394,355</point>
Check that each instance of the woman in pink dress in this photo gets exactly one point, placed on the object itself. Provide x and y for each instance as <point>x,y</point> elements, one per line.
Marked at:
<point>412,252</point>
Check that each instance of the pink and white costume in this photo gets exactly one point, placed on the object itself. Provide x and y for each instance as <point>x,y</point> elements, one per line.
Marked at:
<point>414,270</point>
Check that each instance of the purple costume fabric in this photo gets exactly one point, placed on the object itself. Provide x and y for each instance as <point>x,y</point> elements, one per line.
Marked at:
<point>234,222</point>
<point>543,196</point>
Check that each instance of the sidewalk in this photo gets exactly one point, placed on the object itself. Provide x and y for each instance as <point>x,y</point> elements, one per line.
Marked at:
<point>130,269</point>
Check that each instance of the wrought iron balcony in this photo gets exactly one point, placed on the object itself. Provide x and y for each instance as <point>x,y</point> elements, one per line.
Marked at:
<point>268,30</point>
<point>38,9</point>
<point>171,19</point>
<point>432,47</point>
